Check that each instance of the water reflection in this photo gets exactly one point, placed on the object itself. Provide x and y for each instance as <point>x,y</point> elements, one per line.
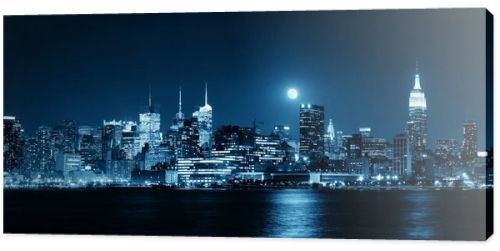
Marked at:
<point>268,213</point>
<point>294,213</point>
<point>419,221</point>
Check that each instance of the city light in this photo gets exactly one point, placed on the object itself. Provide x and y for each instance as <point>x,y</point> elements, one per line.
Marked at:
<point>194,154</point>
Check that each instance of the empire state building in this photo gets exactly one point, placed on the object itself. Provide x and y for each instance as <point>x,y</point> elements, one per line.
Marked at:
<point>417,126</point>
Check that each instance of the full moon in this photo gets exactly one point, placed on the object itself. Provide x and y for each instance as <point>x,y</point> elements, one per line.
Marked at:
<point>292,93</point>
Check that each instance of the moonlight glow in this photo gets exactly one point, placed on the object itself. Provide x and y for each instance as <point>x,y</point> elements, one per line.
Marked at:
<point>292,93</point>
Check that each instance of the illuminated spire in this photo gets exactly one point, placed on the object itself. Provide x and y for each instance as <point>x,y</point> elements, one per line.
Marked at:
<point>206,107</point>
<point>180,99</point>
<point>206,94</point>
<point>416,65</point>
<point>331,131</point>
<point>417,96</point>
<point>417,77</point>
<point>151,108</point>
<point>417,82</point>
<point>180,115</point>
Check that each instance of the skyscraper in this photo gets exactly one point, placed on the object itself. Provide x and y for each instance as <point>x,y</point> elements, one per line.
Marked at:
<point>339,146</point>
<point>355,146</point>
<point>417,126</point>
<point>330,140</point>
<point>111,138</point>
<point>312,130</point>
<point>179,116</point>
<point>189,136</point>
<point>204,117</point>
<point>375,148</point>
<point>89,147</point>
<point>118,148</point>
<point>446,156</point>
<point>12,143</point>
<point>29,161</point>
<point>268,149</point>
<point>57,138</point>
<point>45,157</point>
<point>65,137</point>
<point>70,136</point>
<point>130,139</point>
<point>172,137</point>
<point>447,147</point>
<point>83,130</point>
<point>402,157</point>
<point>469,145</point>
<point>149,127</point>
<point>66,163</point>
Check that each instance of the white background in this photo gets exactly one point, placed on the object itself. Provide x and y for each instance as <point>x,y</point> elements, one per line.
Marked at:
<point>115,243</point>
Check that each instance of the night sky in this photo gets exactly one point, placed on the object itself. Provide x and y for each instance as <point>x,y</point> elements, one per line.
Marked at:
<point>359,64</point>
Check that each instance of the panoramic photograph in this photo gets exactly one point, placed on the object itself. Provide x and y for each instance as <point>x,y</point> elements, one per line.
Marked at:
<point>298,124</point>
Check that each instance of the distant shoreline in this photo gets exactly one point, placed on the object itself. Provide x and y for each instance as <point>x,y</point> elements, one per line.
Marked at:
<point>242,188</point>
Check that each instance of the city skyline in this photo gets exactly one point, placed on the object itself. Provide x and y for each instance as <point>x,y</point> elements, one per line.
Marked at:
<point>168,122</point>
<point>312,124</point>
<point>119,88</point>
<point>166,127</point>
<point>124,148</point>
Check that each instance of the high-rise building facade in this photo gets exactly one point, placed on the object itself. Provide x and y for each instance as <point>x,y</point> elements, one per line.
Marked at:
<point>111,138</point>
<point>282,131</point>
<point>330,140</point>
<point>417,126</point>
<point>65,137</point>
<point>70,136</point>
<point>12,143</point>
<point>447,147</point>
<point>149,128</point>
<point>130,140</point>
<point>312,131</point>
<point>29,163</point>
<point>446,158</point>
<point>268,149</point>
<point>119,144</point>
<point>45,157</point>
<point>204,117</point>
<point>57,138</point>
<point>340,151</point>
<point>83,130</point>
<point>402,156</point>
<point>66,163</point>
<point>375,148</point>
<point>469,145</point>
<point>189,136</point>
<point>355,146</point>
<point>89,150</point>
<point>236,144</point>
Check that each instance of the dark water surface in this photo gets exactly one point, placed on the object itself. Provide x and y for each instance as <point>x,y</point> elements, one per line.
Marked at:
<point>387,214</point>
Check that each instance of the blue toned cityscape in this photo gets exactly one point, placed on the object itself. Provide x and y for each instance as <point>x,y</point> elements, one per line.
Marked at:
<point>321,124</point>
<point>193,154</point>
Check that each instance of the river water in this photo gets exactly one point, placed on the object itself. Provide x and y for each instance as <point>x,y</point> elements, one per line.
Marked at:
<point>302,213</point>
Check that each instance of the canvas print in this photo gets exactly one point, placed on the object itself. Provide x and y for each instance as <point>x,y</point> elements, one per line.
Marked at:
<point>305,124</point>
